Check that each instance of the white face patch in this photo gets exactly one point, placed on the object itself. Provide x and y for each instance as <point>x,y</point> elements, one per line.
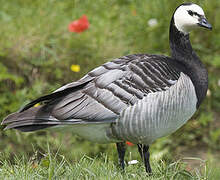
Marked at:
<point>186,17</point>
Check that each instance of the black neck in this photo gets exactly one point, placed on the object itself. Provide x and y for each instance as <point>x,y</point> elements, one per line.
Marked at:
<point>180,45</point>
<point>181,51</point>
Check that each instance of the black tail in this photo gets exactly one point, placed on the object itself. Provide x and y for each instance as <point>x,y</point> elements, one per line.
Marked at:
<point>37,118</point>
<point>32,119</point>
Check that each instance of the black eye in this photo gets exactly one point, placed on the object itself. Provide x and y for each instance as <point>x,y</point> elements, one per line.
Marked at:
<point>190,13</point>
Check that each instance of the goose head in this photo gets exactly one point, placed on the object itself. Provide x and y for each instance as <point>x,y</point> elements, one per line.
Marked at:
<point>189,16</point>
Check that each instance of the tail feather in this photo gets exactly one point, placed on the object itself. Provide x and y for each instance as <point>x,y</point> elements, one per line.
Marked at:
<point>32,122</point>
<point>37,118</point>
<point>60,93</point>
<point>32,127</point>
<point>32,119</point>
<point>33,113</point>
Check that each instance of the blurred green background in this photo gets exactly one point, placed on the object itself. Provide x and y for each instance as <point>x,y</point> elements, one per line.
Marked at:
<point>37,51</point>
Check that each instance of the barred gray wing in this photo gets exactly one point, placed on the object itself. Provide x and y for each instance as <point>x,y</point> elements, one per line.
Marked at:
<point>101,95</point>
<point>114,86</point>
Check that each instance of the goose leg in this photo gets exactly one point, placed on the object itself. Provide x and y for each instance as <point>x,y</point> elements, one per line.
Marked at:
<point>145,155</point>
<point>121,148</point>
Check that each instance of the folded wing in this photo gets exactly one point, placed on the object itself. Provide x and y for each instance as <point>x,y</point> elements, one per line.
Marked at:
<point>100,96</point>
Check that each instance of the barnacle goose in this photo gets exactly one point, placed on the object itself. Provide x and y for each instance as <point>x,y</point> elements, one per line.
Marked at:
<point>136,98</point>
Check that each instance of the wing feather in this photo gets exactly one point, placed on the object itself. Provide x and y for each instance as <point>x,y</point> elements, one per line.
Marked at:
<point>102,95</point>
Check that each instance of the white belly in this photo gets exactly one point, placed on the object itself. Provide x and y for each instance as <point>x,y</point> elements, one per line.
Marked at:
<point>97,133</point>
<point>158,114</point>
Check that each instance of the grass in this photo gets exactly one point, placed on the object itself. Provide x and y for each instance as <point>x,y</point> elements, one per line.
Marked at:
<point>36,53</point>
<point>49,165</point>
<point>57,167</point>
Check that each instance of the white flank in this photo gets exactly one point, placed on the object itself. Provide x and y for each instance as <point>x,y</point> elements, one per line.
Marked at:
<point>158,114</point>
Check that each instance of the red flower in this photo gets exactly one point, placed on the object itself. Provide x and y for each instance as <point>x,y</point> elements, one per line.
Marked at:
<point>79,25</point>
<point>129,143</point>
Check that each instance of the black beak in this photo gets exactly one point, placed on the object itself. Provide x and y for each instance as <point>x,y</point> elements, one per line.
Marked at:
<point>204,23</point>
